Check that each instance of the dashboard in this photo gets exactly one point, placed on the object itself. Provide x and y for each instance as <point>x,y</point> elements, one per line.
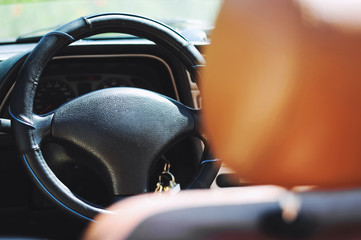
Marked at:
<point>88,65</point>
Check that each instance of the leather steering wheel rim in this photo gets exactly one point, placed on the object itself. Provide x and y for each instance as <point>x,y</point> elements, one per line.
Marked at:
<point>31,129</point>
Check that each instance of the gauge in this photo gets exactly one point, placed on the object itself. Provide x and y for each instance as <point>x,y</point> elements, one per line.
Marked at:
<point>115,82</point>
<point>50,94</point>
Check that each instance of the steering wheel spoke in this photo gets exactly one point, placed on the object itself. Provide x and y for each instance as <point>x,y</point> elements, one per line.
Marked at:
<point>128,176</point>
<point>196,114</point>
<point>43,126</point>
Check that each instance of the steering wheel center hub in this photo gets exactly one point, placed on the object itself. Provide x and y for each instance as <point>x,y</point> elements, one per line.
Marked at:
<point>107,123</point>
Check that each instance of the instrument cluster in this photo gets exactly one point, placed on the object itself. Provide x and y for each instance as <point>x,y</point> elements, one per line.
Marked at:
<point>70,78</point>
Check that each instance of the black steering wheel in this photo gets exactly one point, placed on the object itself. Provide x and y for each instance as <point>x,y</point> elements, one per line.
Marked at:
<point>126,129</point>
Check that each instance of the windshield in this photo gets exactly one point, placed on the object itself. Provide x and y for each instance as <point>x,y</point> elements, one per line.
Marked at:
<point>26,18</point>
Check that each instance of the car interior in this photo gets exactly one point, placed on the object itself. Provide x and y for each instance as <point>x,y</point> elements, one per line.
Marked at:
<point>251,131</point>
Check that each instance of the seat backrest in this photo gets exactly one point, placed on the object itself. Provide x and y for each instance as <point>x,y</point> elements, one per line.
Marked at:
<point>259,212</point>
<point>282,91</point>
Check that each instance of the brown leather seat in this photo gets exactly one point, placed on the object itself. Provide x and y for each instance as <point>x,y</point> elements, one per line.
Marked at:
<point>282,105</point>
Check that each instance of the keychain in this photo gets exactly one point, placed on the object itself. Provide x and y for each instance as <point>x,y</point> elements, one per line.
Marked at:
<point>166,182</point>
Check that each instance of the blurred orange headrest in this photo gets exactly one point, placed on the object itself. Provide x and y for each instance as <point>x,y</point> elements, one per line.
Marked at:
<point>282,91</point>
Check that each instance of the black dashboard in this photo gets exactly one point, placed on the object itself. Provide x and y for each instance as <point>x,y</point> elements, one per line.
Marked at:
<point>68,77</point>
<point>90,65</point>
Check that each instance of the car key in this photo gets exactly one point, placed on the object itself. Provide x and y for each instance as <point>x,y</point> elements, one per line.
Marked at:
<point>166,182</point>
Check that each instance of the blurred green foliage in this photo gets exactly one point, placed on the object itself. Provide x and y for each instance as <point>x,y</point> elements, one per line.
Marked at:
<point>19,17</point>
<point>3,2</point>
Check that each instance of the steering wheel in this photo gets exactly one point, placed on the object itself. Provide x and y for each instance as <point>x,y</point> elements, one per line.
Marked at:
<point>126,129</point>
